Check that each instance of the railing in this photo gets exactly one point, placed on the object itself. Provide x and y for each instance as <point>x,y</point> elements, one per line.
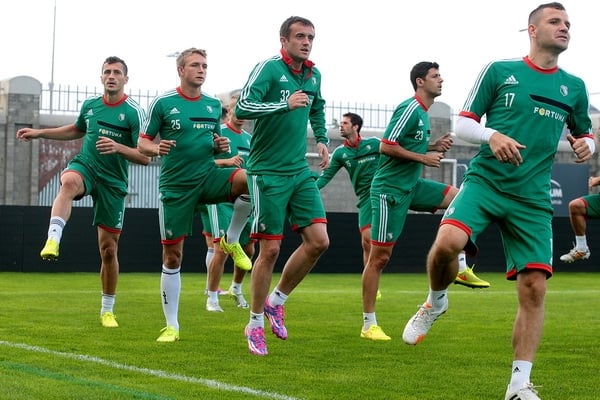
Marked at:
<point>67,99</point>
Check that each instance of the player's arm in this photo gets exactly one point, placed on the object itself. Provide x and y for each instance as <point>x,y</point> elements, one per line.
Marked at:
<point>147,142</point>
<point>442,144</point>
<point>328,173</point>
<point>66,132</point>
<point>106,145</point>
<point>594,181</point>
<point>148,147</point>
<point>235,161</point>
<point>316,117</point>
<point>395,150</point>
<point>221,144</point>
<point>133,155</point>
<point>251,104</point>
<point>579,124</point>
<point>504,148</point>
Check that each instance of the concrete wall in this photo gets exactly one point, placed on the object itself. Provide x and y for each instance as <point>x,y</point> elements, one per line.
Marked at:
<point>19,107</point>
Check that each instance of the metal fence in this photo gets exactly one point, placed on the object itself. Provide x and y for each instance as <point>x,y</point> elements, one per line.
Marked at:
<point>143,180</point>
<point>142,191</point>
<point>67,99</point>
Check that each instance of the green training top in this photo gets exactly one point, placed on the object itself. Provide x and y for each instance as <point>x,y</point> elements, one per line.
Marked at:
<point>192,123</point>
<point>239,143</point>
<point>120,122</point>
<point>532,106</point>
<point>409,128</point>
<point>279,137</point>
<point>360,161</point>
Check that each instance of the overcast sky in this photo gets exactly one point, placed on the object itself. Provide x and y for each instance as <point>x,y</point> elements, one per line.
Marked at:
<point>364,49</point>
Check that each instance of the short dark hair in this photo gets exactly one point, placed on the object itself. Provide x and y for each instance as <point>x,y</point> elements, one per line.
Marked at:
<point>536,12</point>
<point>115,60</point>
<point>285,29</point>
<point>355,119</point>
<point>420,70</point>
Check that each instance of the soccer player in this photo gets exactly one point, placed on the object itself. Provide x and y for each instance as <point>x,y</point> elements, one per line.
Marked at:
<point>110,125</point>
<point>282,94</point>
<point>203,211</point>
<point>220,216</point>
<point>360,157</point>
<point>580,209</point>
<point>188,122</point>
<point>526,102</point>
<point>397,184</point>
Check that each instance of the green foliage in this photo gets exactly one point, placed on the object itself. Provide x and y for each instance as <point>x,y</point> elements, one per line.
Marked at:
<point>53,347</point>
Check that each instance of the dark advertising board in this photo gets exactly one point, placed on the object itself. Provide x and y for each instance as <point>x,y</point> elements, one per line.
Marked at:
<point>568,182</point>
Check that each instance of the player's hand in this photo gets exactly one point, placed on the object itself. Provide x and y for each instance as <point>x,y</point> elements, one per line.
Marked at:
<point>26,134</point>
<point>433,159</point>
<point>105,145</point>
<point>298,99</point>
<point>506,149</point>
<point>221,144</point>
<point>164,147</point>
<point>324,154</point>
<point>580,148</point>
<point>444,143</point>
<point>235,161</point>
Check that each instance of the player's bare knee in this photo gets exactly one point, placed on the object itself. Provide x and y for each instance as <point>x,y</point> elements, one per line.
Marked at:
<point>108,253</point>
<point>577,206</point>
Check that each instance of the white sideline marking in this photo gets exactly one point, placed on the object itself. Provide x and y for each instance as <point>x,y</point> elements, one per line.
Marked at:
<point>157,373</point>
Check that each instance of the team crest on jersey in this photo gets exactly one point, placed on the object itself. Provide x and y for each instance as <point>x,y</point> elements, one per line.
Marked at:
<point>314,81</point>
<point>121,117</point>
<point>564,90</point>
<point>209,109</point>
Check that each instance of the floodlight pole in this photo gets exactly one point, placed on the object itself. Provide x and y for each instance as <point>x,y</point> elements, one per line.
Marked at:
<point>51,84</point>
